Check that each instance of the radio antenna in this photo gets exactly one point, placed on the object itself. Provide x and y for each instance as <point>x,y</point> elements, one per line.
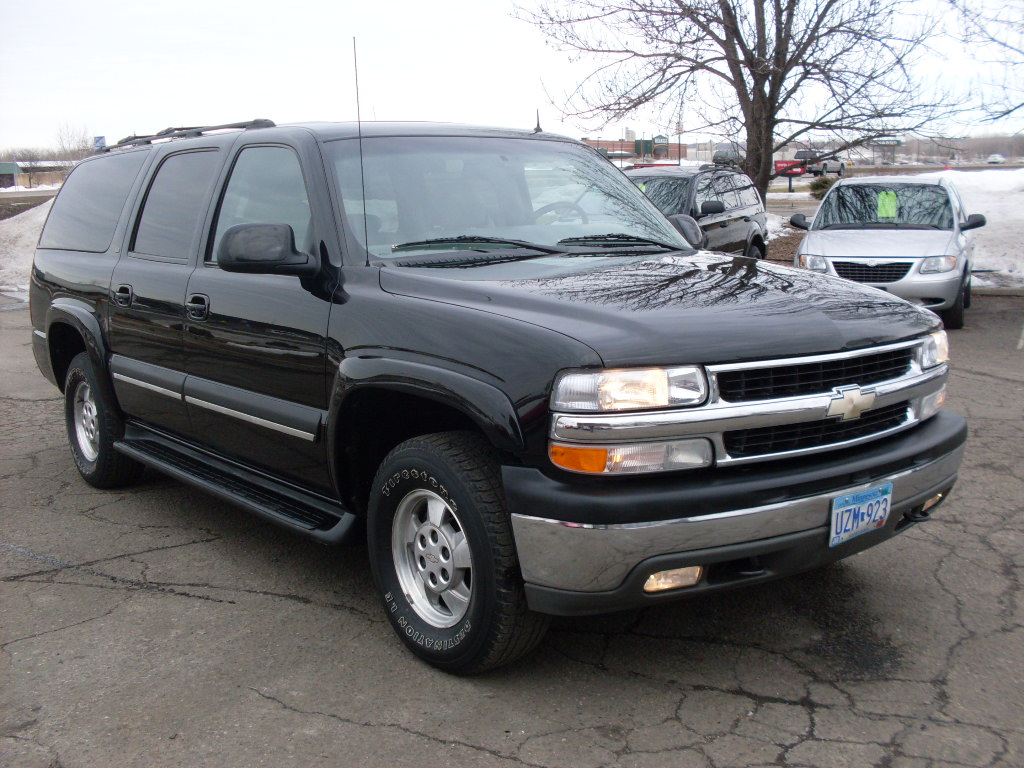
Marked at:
<point>359,132</point>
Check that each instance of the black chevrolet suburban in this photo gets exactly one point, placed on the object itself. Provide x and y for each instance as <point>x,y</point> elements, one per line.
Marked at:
<point>492,351</point>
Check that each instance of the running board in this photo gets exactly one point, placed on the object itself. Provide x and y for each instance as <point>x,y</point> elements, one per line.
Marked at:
<point>296,510</point>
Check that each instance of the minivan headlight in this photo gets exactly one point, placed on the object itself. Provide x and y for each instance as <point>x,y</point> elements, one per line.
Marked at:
<point>938,264</point>
<point>935,350</point>
<point>629,388</point>
<point>812,262</point>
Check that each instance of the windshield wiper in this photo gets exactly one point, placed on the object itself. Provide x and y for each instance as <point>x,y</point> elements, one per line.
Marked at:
<point>471,240</point>
<point>613,239</point>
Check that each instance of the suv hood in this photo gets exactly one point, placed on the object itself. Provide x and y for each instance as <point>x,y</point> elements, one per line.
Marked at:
<point>672,309</point>
<point>887,243</point>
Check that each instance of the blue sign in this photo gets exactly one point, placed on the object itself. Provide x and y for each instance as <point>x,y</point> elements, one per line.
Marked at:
<point>98,143</point>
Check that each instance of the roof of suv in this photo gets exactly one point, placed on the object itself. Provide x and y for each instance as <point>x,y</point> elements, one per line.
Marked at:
<point>330,131</point>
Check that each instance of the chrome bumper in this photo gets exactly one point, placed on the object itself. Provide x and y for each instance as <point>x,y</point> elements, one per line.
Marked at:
<point>594,558</point>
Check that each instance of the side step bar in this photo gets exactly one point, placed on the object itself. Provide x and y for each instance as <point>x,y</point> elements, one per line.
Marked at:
<point>304,513</point>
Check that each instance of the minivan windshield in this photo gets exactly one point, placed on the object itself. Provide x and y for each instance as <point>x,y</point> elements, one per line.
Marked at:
<point>431,194</point>
<point>891,205</point>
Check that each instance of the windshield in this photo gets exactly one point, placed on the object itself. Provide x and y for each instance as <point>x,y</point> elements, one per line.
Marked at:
<point>454,193</point>
<point>669,194</point>
<point>911,206</point>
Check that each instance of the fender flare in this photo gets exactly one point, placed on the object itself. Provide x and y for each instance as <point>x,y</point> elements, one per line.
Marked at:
<point>486,405</point>
<point>81,316</point>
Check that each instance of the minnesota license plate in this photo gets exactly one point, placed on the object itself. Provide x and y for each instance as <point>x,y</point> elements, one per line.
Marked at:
<point>860,512</point>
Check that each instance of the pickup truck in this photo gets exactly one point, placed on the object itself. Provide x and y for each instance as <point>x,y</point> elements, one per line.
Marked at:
<point>491,353</point>
<point>816,165</point>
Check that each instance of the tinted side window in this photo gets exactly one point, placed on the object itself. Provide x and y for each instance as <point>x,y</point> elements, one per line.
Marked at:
<point>175,203</point>
<point>705,191</point>
<point>86,211</point>
<point>725,191</point>
<point>266,187</point>
<point>746,190</point>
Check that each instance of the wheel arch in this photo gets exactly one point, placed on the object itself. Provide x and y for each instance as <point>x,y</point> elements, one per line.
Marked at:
<point>378,403</point>
<point>71,327</point>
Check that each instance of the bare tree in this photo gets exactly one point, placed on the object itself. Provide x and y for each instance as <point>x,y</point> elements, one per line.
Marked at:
<point>73,142</point>
<point>994,33</point>
<point>773,72</point>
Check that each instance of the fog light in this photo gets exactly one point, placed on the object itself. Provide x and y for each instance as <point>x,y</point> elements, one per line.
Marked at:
<point>674,579</point>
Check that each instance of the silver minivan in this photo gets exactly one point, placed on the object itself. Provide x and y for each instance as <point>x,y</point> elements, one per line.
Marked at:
<point>903,234</point>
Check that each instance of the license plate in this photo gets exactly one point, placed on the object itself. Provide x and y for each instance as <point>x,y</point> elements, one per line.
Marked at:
<point>860,512</point>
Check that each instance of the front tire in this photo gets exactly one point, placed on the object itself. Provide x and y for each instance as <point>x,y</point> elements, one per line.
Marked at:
<point>953,318</point>
<point>443,557</point>
<point>755,250</point>
<point>93,425</point>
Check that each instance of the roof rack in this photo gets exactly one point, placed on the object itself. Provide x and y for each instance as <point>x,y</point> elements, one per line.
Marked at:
<point>185,133</point>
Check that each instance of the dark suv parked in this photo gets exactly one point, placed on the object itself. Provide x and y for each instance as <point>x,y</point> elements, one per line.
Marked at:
<point>493,349</point>
<point>722,199</point>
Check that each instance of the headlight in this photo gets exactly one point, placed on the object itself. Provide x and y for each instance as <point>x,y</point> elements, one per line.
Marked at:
<point>938,264</point>
<point>629,388</point>
<point>809,261</point>
<point>935,350</point>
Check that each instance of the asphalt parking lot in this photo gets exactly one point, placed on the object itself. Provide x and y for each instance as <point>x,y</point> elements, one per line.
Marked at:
<point>157,627</point>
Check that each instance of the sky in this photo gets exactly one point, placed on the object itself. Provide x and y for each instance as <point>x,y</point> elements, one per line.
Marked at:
<point>116,68</point>
<point>105,68</point>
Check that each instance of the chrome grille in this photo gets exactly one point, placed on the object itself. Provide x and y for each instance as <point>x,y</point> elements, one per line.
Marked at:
<point>866,272</point>
<point>812,434</point>
<point>776,381</point>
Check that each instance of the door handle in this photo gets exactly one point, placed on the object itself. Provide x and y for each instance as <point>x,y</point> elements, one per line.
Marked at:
<point>724,224</point>
<point>197,306</point>
<point>123,295</point>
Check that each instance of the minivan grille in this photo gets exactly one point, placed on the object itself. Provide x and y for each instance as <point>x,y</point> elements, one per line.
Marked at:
<point>812,378</point>
<point>812,434</point>
<point>865,272</point>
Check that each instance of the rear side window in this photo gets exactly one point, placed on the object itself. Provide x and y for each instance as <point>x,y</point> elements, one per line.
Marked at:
<point>86,211</point>
<point>176,201</point>
<point>746,190</point>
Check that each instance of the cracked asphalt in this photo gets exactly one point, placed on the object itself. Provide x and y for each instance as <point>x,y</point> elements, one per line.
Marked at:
<point>158,627</point>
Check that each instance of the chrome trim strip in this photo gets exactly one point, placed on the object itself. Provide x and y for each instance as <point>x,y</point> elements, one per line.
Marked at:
<point>595,558</point>
<point>147,385</point>
<point>40,334</point>
<point>251,419</point>
<point>785,361</point>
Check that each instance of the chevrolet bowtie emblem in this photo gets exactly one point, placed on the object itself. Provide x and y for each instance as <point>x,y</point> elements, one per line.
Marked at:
<point>850,402</point>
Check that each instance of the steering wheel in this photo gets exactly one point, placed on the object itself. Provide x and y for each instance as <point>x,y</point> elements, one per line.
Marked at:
<point>562,205</point>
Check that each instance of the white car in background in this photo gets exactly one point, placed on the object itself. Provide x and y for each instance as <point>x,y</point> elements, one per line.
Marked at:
<point>905,235</point>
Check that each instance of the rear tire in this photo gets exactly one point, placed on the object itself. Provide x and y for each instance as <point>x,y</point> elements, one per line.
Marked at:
<point>93,425</point>
<point>755,250</point>
<point>443,556</point>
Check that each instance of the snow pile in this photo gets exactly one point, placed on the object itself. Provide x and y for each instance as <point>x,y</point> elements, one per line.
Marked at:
<point>999,195</point>
<point>18,236</point>
<point>777,225</point>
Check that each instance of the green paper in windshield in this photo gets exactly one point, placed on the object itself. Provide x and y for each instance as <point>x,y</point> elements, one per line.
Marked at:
<point>887,204</point>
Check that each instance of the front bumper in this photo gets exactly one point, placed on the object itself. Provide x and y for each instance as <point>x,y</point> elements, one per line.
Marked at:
<point>594,554</point>
<point>936,291</point>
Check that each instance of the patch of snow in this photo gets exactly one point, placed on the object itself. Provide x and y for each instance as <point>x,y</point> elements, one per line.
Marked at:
<point>777,225</point>
<point>30,189</point>
<point>999,195</point>
<point>18,237</point>
<point>789,196</point>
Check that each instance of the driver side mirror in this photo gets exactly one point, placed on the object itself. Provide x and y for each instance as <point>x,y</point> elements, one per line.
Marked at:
<point>974,221</point>
<point>799,221</point>
<point>711,207</point>
<point>688,227</point>
<point>264,249</point>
